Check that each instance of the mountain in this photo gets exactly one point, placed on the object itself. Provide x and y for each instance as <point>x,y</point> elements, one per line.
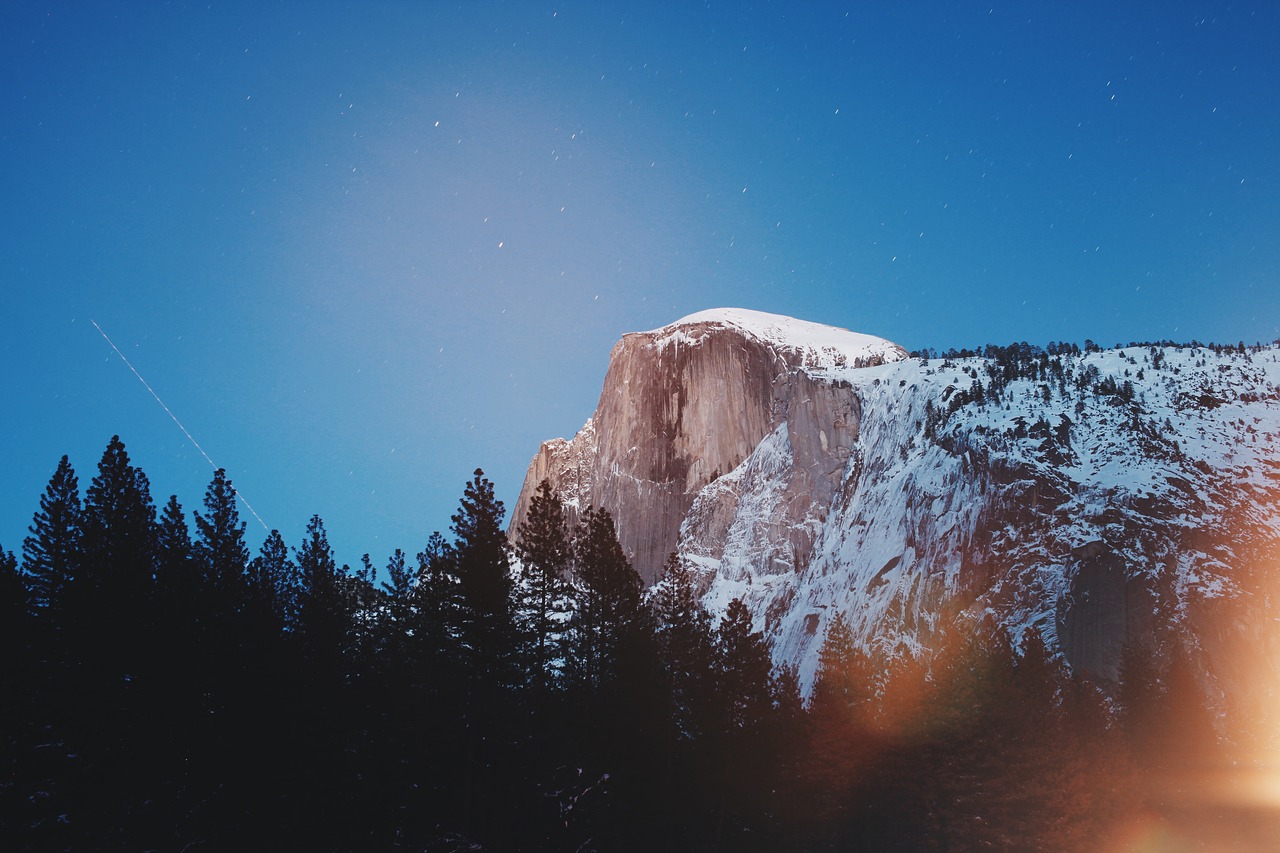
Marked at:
<point>1102,497</point>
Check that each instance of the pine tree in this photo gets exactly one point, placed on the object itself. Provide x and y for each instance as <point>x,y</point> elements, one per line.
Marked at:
<point>321,610</point>
<point>174,558</point>
<point>483,567</point>
<point>13,593</point>
<point>608,602</point>
<point>545,550</point>
<point>220,546</point>
<point>743,669</point>
<point>14,628</point>
<point>51,553</point>
<point>742,680</point>
<point>274,582</point>
<point>684,636</point>
<point>436,599</point>
<point>479,558</point>
<point>113,594</point>
<point>839,710</point>
<point>843,684</point>
<point>181,600</point>
<point>399,583</point>
<point>23,721</point>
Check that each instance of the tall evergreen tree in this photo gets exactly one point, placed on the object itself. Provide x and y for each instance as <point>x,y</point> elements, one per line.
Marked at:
<point>843,684</point>
<point>483,566</point>
<point>321,610</point>
<point>399,583</point>
<point>181,601</point>
<point>743,669</point>
<point>684,636</point>
<point>274,582</point>
<point>220,546</point>
<point>436,598</point>
<point>479,559</point>
<point>119,525</point>
<point>545,550</point>
<point>113,595</point>
<point>608,601</point>
<point>13,595</point>
<point>741,740</point>
<point>174,559</point>
<point>51,553</point>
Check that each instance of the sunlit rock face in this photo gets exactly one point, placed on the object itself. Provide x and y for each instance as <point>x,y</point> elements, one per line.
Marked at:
<point>686,403</point>
<point>1099,498</point>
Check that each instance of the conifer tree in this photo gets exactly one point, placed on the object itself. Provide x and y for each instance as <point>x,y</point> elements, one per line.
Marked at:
<point>174,569</point>
<point>436,598</point>
<point>320,606</point>
<point>545,550</point>
<point>181,602</point>
<point>51,553</point>
<point>479,559</point>
<point>684,636</point>
<point>745,711</point>
<point>608,602</point>
<point>482,563</point>
<point>843,682</point>
<point>743,668</point>
<point>20,704</point>
<point>220,545</point>
<point>113,594</point>
<point>13,593</point>
<point>274,582</point>
<point>14,613</point>
<point>399,583</point>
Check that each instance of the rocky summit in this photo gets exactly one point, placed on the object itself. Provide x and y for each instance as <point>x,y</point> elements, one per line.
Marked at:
<point>1099,496</point>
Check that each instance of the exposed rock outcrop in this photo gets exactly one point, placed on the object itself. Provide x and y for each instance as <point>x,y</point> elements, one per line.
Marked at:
<point>809,470</point>
<point>686,403</point>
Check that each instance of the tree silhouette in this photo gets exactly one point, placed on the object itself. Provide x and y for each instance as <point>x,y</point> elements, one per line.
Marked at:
<point>51,552</point>
<point>608,603</point>
<point>685,642</point>
<point>545,550</point>
<point>274,583</point>
<point>482,563</point>
<point>220,546</point>
<point>111,598</point>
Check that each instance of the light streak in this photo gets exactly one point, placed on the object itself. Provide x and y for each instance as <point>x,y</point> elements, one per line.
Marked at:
<point>170,413</point>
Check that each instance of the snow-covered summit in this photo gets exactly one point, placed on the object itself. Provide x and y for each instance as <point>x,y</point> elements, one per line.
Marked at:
<point>819,346</point>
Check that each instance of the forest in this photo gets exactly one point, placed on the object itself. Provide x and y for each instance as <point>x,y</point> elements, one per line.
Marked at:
<point>162,688</point>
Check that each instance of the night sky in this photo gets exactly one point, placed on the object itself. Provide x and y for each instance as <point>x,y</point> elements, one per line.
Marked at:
<point>361,249</point>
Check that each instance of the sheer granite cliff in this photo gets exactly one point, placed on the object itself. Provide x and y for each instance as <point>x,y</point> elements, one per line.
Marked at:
<point>686,403</point>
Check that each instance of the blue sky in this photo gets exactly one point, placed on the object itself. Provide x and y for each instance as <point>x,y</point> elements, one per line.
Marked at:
<point>361,249</point>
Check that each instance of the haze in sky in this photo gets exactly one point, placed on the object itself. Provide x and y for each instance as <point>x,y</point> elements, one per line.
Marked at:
<point>360,249</point>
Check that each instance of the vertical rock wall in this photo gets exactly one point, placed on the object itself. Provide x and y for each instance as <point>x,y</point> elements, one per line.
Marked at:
<point>679,411</point>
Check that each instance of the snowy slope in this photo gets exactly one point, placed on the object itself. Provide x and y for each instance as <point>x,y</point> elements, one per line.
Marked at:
<point>1028,511</point>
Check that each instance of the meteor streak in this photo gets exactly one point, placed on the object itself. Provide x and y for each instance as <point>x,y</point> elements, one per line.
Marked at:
<point>170,413</point>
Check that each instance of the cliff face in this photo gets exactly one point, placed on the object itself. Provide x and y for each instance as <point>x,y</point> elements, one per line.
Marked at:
<point>1099,498</point>
<point>689,402</point>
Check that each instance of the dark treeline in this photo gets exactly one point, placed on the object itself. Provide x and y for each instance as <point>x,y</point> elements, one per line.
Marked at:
<point>165,689</point>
